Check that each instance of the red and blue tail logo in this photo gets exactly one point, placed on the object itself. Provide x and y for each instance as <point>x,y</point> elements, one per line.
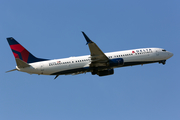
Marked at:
<point>20,52</point>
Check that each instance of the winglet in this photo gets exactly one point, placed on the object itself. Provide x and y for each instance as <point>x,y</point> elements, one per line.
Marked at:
<point>56,77</point>
<point>87,38</point>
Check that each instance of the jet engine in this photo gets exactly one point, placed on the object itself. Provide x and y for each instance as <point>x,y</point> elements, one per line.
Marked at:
<point>105,72</point>
<point>116,62</point>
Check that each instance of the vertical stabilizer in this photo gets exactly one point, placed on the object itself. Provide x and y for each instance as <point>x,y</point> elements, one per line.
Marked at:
<point>21,53</point>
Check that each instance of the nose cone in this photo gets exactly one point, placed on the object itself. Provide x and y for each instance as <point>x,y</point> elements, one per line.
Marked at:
<point>170,54</point>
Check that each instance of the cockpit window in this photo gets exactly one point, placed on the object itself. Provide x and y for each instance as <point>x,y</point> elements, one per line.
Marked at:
<point>163,50</point>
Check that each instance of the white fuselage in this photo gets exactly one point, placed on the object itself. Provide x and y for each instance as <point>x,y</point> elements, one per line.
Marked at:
<point>73,65</point>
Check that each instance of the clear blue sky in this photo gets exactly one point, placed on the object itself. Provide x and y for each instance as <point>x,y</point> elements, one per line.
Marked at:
<point>52,29</point>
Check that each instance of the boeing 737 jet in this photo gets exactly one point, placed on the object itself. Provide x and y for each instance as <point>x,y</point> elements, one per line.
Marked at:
<point>98,63</point>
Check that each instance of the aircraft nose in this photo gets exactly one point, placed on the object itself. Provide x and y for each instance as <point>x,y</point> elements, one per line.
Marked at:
<point>170,54</point>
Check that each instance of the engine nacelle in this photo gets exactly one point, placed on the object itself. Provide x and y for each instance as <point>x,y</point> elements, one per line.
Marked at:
<point>105,72</point>
<point>116,62</point>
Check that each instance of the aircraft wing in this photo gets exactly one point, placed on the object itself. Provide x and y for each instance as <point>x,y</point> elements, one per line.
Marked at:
<point>98,58</point>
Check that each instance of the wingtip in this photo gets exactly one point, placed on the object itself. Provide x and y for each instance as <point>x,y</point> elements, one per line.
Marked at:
<point>56,77</point>
<point>87,38</point>
<point>83,33</point>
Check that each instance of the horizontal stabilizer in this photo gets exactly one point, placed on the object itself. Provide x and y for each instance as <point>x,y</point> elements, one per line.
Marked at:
<point>21,64</point>
<point>11,70</point>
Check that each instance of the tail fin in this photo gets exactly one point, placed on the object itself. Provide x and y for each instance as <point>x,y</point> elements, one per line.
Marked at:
<point>21,53</point>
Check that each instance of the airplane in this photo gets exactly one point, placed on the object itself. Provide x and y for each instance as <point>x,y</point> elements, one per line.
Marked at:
<point>98,62</point>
